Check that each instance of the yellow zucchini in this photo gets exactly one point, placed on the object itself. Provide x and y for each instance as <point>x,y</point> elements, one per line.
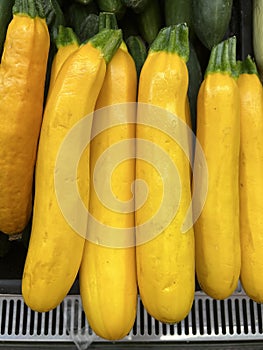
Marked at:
<point>67,43</point>
<point>218,131</point>
<point>108,284</point>
<point>22,78</point>
<point>251,181</point>
<point>165,263</point>
<point>55,248</point>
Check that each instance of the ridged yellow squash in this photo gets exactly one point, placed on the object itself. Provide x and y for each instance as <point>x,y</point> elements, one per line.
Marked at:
<point>217,233</point>
<point>108,285</point>
<point>22,79</point>
<point>165,261</point>
<point>251,181</point>
<point>55,247</point>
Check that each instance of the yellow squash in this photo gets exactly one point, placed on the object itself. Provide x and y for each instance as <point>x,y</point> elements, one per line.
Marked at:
<point>55,247</point>
<point>22,78</point>
<point>66,43</point>
<point>165,259</point>
<point>251,181</point>
<point>218,131</point>
<point>108,285</point>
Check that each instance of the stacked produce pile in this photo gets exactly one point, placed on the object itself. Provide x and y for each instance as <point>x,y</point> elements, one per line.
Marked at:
<point>128,72</point>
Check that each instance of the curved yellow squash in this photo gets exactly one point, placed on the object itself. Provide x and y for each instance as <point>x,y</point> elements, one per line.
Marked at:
<point>22,78</point>
<point>65,49</point>
<point>251,185</point>
<point>55,248</point>
<point>108,285</point>
<point>165,263</point>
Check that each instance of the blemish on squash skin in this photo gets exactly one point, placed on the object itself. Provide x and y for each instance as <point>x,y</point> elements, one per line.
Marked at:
<point>45,237</point>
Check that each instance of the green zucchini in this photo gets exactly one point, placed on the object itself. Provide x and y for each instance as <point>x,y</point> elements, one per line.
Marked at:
<point>257,27</point>
<point>211,20</point>
<point>128,24</point>
<point>83,19</point>
<point>138,51</point>
<point>115,6</point>
<point>136,5</point>
<point>5,17</point>
<point>89,27</point>
<point>195,80</point>
<point>178,11</point>
<point>150,21</point>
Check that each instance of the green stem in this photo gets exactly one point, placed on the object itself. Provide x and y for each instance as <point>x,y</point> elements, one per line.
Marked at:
<point>107,20</point>
<point>107,41</point>
<point>32,8</point>
<point>173,39</point>
<point>248,66</point>
<point>66,36</point>
<point>232,57</point>
<point>223,58</point>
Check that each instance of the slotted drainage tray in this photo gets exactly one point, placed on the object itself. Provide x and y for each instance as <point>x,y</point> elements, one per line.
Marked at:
<point>237,318</point>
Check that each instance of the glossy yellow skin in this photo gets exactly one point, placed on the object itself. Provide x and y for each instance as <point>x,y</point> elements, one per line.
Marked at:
<point>217,229</point>
<point>22,78</point>
<point>108,285</point>
<point>251,185</point>
<point>55,249</point>
<point>165,264</point>
<point>61,56</point>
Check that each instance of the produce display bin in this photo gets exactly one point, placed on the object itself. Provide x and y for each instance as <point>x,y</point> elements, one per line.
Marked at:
<point>233,323</point>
